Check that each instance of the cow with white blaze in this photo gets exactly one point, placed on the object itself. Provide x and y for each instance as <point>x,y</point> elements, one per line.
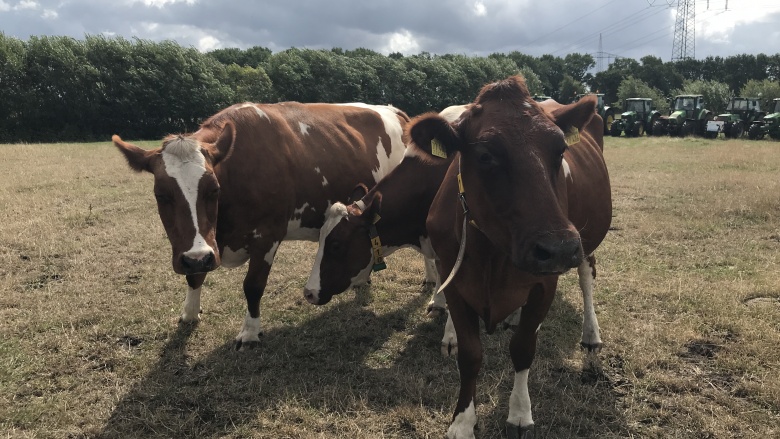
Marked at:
<point>254,175</point>
<point>526,199</point>
<point>347,253</point>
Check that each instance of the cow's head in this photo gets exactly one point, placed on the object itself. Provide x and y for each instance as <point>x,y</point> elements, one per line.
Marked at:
<point>511,160</point>
<point>187,193</point>
<point>344,257</point>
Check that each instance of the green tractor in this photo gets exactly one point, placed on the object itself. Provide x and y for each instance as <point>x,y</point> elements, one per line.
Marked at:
<point>741,113</point>
<point>688,117</point>
<point>638,118</point>
<point>769,124</point>
<point>606,112</point>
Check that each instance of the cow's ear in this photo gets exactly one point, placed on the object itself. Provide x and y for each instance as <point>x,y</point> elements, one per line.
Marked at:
<point>433,136</point>
<point>139,159</point>
<point>358,193</point>
<point>221,149</point>
<point>573,117</point>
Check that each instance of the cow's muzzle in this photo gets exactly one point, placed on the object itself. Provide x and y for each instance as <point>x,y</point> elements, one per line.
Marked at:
<point>315,297</point>
<point>551,254</point>
<point>203,264</point>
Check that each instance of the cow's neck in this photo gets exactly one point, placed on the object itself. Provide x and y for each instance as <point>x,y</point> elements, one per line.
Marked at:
<point>407,195</point>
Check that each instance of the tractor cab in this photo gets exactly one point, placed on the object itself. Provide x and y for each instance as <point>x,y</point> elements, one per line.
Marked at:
<point>690,104</point>
<point>640,106</point>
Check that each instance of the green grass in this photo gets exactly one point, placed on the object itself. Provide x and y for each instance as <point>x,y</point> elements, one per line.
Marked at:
<point>688,297</point>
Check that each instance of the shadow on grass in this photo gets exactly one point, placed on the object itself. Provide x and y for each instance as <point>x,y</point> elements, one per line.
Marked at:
<point>304,379</point>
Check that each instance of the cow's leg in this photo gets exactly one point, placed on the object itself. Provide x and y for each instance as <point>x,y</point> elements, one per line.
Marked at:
<point>466,324</point>
<point>522,349</point>
<point>254,285</point>
<point>591,336</point>
<point>191,308</point>
<point>438,303</point>
<point>449,343</point>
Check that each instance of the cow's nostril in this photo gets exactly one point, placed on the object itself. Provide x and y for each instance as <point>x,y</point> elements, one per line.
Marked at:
<point>542,254</point>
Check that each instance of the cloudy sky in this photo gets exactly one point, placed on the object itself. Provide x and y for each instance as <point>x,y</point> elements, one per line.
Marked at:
<point>629,28</point>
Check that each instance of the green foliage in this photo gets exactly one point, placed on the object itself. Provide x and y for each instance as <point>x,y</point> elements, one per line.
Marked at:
<point>716,94</point>
<point>569,89</point>
<point>59,88</point>
<point>532,81</point>
<point>767,90</point>
<point>636,88</point>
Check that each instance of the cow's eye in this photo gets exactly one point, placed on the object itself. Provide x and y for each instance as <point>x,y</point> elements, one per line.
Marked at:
<point>485,158</point>
<point>214,193</point>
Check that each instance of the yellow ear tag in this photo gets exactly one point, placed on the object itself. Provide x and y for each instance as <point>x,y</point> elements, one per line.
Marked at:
<point>572,136</point>
<point>437,149</point>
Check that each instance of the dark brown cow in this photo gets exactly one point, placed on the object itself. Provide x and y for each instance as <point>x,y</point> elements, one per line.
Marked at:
<point>254,175</point>
<point>531,209</point>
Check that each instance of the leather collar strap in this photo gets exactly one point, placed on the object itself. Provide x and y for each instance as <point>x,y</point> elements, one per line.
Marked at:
<point>462,249</point>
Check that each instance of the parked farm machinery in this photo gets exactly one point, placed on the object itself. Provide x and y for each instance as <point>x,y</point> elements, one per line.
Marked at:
<point>769,124</point>
<point>638,117</point>
<point>740,115</point>
<point>688,117</point>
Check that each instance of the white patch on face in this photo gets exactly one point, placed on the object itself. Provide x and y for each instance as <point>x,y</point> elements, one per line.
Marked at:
<point>317,170</point>
<point>520,401</point>
<point>324,181</point>
<point>462,426</point>
<point>566,170</point>
<point>256,234</point>
<point>394,130</point>
<point>184,163</point>
<point>191,307</point>
<point>452,113</point>
<point>304,128</point>
<point>333,215</point>
<point>269,257</point>
<point>233,259</point>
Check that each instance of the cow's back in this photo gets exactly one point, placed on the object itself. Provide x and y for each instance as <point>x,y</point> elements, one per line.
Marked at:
<point>290,161</point>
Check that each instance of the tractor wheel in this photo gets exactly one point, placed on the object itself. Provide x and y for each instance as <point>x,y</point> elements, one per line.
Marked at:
<point>609,119</point>
<point>658,128</point>
<point>737,129</point>
<point>638,129</point>
<point>775,134</point>
<point>687,128</point>
<point>755,132</point>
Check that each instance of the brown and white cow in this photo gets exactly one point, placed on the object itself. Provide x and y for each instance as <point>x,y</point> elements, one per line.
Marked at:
<point>528,209</point>
<point>254,175</point>
<point>345,256</point>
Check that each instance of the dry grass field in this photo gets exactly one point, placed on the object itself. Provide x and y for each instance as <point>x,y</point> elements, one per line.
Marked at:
<point>688,297</point>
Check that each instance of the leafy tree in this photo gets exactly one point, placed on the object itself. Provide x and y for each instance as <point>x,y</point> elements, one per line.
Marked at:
<point>13,88</point>
<point>249,84</point>
<point>660,76</point>
<point>532,81</point>
<point>767,90</point>
<point>636,88</point>
<point>569,89</point>
<point>716,94</point>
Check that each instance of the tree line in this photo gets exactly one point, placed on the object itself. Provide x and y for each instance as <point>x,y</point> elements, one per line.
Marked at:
<point>64,89</point>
